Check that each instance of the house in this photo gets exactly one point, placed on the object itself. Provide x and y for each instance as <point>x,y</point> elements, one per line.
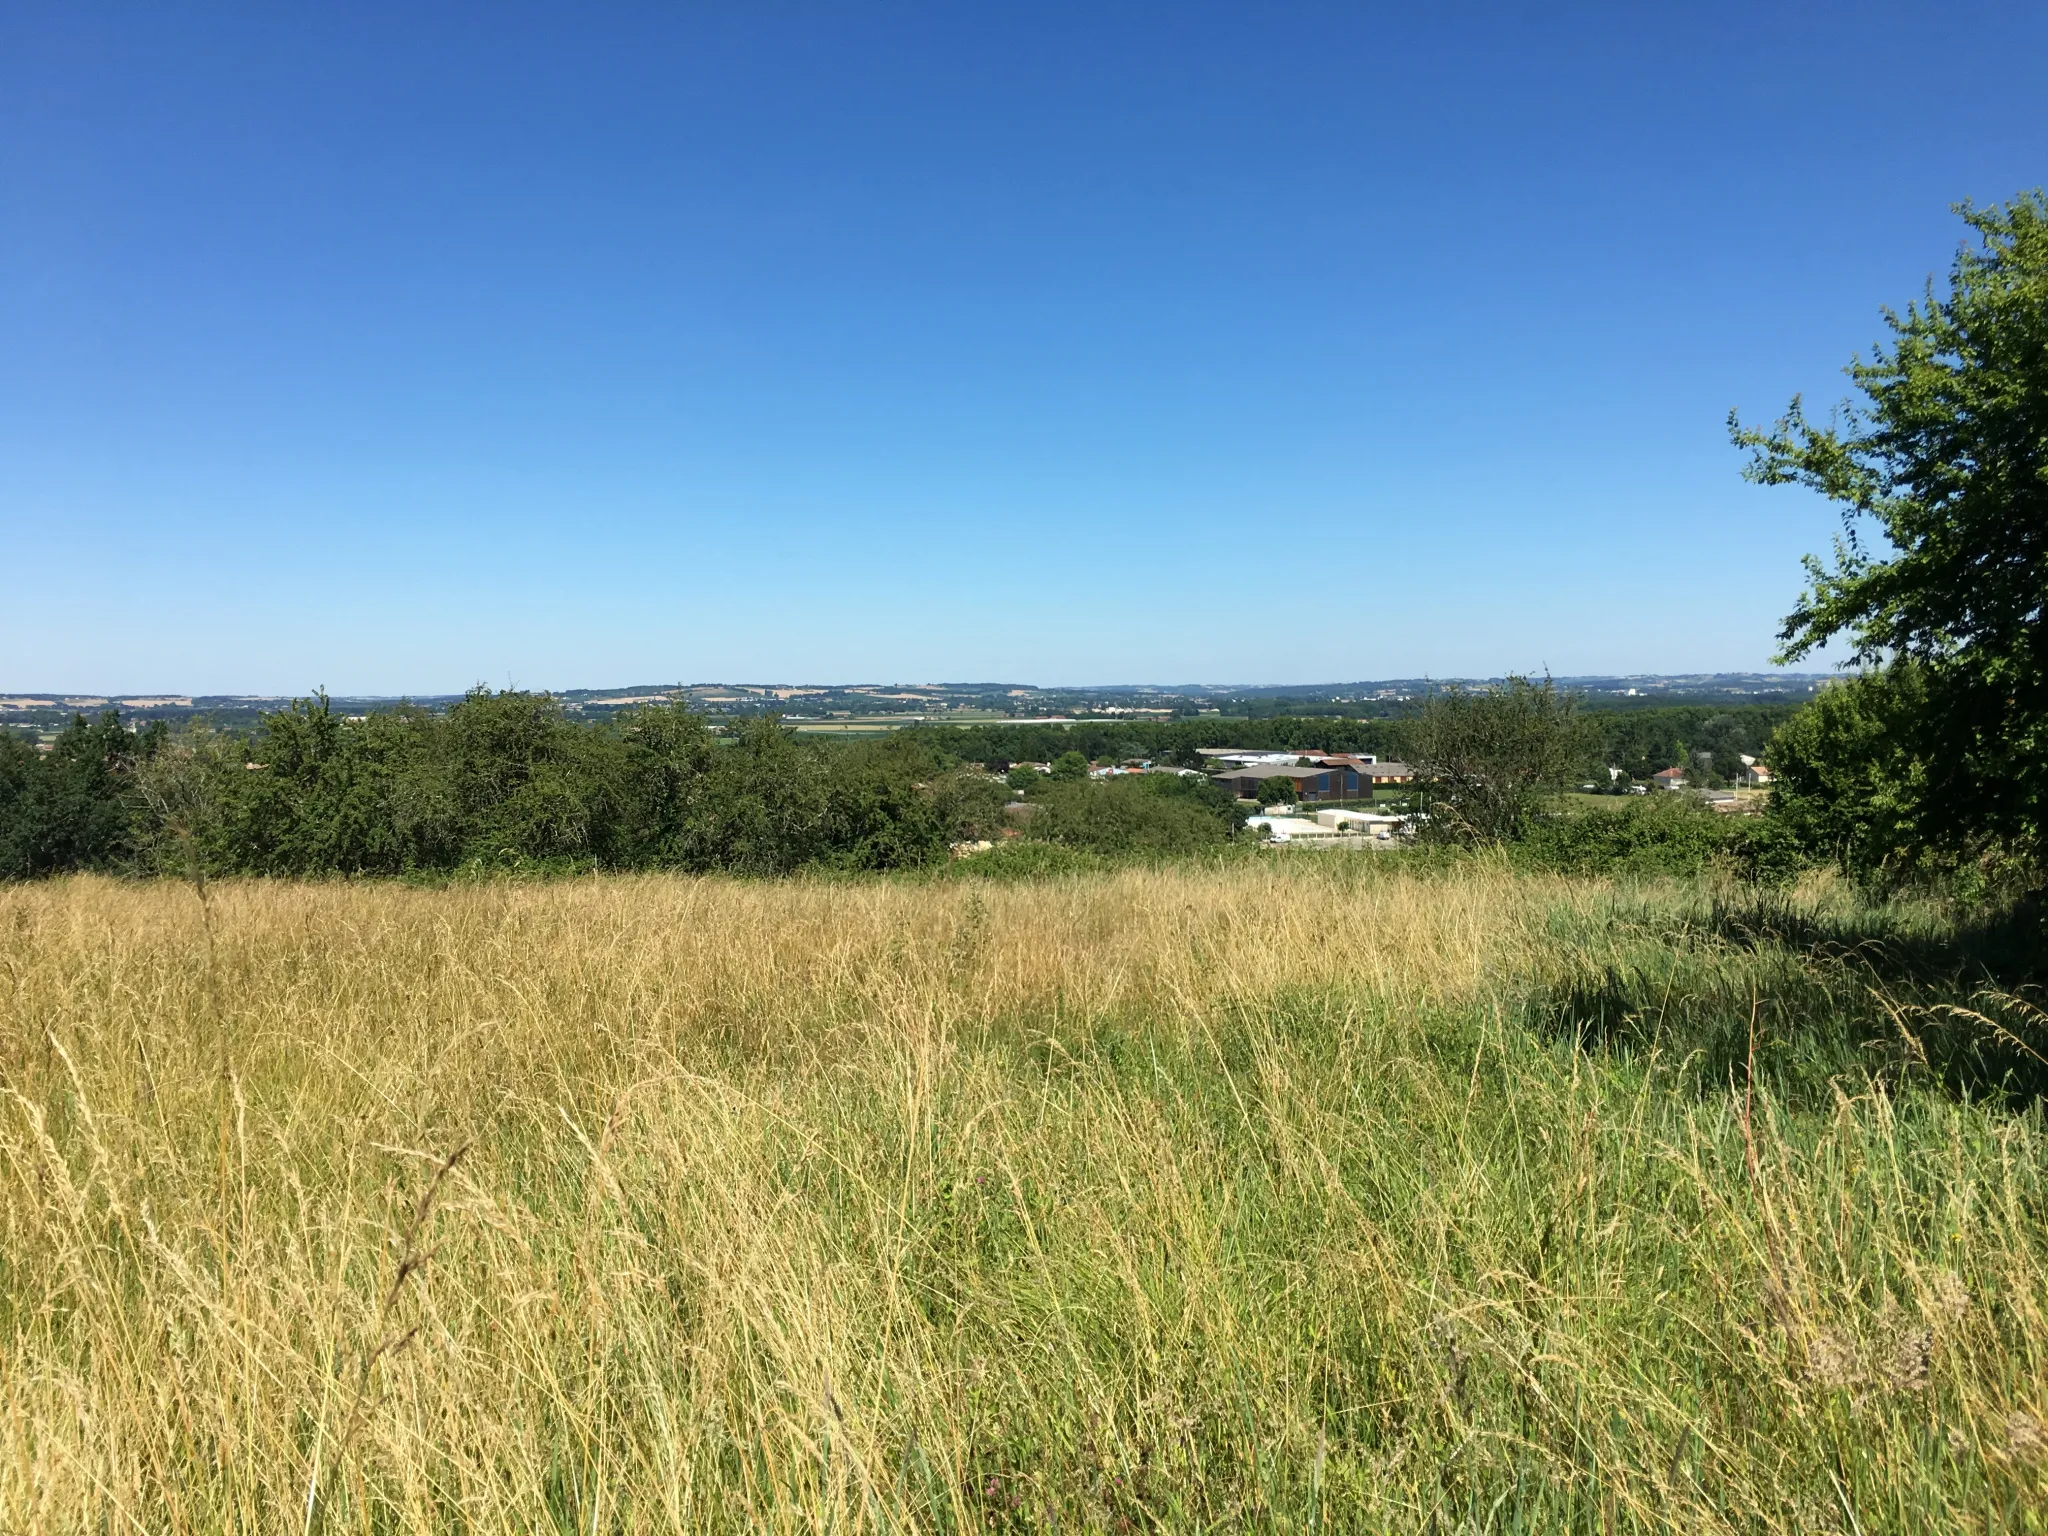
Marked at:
<point>1754,773</point>
<point>1669,778</point>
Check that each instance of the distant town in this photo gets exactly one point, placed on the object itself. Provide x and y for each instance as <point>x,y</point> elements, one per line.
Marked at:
<point>865,708</point>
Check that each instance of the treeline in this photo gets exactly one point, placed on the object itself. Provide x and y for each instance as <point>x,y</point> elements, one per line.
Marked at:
<point>1709,741</point>
<point>507,780</point>
<point>1175,743</point>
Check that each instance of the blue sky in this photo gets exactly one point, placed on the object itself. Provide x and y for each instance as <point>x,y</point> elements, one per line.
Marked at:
<point>396,348</point>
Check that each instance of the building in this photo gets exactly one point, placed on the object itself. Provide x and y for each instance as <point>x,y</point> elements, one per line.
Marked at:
<point>1250,757</point>
<point>1754,773</point>
<point>1331,779</point>
<point>1368,823</point>
<point>1331,829</point>
<point>1371,767</point>
<point>1669,778</point>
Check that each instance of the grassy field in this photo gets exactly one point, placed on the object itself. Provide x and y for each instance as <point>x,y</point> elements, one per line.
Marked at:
<point>1285,1195</point>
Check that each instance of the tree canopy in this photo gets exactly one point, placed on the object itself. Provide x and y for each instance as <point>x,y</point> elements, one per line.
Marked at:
<point>510,781</point>
<point>1484,759</point>
<point>1939,753</point>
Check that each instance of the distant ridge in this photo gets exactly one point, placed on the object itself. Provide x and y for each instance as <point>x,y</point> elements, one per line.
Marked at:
<point>881,706</point>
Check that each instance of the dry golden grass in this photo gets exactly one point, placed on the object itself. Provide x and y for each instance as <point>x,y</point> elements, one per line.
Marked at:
<point>1177,1199</point>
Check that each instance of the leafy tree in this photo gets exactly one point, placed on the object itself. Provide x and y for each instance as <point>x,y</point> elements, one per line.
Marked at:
<point>1851,777</point>
<point>1069,766</point>
<point>1939,754</point>
<point>531,785</point>
<point>18,771</point>
<point>1483,761</point>
<point>970,804</point>
<point>73,807</point>
<point>1022,776</point>
<point>318,794</point>
<point>667,755</point>
<point>1278,790</point>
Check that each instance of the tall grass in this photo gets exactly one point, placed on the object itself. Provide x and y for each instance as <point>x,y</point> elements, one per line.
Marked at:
<point>1266,1197</point>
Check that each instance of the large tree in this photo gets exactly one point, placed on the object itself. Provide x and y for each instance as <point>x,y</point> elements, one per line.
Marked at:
<point>1945,459</point>
<point>1486,759</point>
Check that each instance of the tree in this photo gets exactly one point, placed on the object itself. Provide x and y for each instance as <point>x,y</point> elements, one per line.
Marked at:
<point>1484,759</point>
<point>1278,790</point>
<point>1947,456</point>
<point>1850,776</point>
<point>73,807</point>
<point>1069,766</point>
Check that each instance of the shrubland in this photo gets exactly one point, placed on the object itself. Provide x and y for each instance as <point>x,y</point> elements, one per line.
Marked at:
<point>509,782</point>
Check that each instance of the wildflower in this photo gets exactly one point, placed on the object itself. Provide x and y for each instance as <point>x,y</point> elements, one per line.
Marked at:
<point>1948,1299</point>
<point>2025,1438</point>
<point>1831,1360</point>
<point>1907,1369</point>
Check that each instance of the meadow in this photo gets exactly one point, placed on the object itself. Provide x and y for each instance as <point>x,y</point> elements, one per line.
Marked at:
<point>1275,1193</point>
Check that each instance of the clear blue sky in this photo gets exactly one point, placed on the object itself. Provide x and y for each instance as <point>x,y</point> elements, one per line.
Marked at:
<point>394,348</point>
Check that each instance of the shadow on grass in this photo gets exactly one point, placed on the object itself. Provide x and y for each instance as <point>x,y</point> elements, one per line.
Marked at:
<point>2005,950</point>
<point>1818,999</point>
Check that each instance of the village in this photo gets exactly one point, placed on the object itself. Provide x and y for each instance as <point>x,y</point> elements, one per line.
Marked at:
<point>1355,800</point>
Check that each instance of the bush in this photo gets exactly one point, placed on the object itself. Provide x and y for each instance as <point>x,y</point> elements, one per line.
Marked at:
<point>1665,835</point>
<point>1484,760</point>
<point>1137,814</point>
<point>500,782</point>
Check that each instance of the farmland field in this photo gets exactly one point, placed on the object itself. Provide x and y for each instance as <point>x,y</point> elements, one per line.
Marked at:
<point>1276,1194</point>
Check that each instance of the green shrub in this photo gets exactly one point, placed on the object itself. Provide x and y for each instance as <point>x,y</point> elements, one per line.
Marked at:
<point>1137,814</point>
<point>1660,835</point>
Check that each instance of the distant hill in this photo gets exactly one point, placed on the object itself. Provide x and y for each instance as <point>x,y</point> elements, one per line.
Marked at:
<point>882,705</point>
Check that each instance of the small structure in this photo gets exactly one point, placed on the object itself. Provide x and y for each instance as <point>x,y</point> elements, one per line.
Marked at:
<point>1669,778</point>
<point>1382,828</point>
<point>1300,832</point>
<point>1754,774</point>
